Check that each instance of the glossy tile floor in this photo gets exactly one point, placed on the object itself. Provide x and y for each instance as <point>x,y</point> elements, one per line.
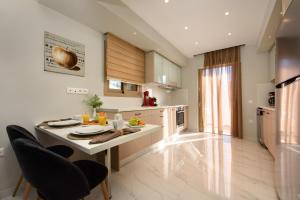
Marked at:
<point>197,166</point>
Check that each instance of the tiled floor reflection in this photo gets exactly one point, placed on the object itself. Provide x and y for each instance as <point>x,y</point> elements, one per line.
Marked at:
<point>197,166</point>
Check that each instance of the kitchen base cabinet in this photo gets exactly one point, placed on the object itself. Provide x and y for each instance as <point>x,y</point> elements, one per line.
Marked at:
<point>269,130</point>
<point>172,121</point>
<point>165,117</point>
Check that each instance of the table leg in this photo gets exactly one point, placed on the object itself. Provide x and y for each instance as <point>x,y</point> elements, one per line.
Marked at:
<point>108,165</point>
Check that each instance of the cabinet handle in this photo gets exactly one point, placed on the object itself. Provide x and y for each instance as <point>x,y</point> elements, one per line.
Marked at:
<point>137,114</point>
<point>161,116</point>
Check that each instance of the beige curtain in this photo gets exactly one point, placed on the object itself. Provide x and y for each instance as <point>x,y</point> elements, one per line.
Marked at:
<point>220,101</point>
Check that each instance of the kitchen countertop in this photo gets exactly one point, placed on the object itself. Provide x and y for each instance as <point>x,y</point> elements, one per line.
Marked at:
<point>267,108</point>
<point>137,108</point>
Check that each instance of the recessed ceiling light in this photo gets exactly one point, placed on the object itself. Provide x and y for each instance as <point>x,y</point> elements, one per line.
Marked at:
<point>229,34</point>
<point>227,13</point>
<point>186,28</point>
<point>166,1</point>
<point>134,33</point>
<point>196,43</point>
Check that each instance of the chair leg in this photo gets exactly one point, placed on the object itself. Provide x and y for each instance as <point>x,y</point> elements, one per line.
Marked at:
<point>26,191</point>
<point>17,186</point>
<point>104,191</point>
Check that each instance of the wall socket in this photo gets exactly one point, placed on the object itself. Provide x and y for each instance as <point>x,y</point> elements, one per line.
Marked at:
<point>1,151</point>
<point>77,90</point>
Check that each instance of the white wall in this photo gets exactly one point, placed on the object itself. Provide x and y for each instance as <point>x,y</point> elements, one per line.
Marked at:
<point>190,82</point>
<point>28,94</point>
<point>254,71</point>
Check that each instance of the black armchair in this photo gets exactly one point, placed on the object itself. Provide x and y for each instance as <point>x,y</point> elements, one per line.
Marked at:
<point>14,132</point>
<point>55,177</point>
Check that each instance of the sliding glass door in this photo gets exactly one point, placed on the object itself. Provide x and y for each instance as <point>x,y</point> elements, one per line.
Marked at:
<point>216,99</point>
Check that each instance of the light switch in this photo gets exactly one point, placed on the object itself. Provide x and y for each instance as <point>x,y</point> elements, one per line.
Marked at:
<point>1,151</point>
<point>77,90</point>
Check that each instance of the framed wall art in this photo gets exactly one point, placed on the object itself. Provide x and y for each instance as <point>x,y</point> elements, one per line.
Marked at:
<point>63,55</point>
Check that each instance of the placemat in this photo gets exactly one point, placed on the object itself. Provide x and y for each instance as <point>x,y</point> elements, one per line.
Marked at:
<point>103,137</point>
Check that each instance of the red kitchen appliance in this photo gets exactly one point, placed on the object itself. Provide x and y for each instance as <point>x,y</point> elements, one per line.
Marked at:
<point>149,101</point>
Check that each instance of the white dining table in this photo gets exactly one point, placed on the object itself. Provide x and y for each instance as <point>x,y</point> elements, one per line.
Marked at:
<point>93,149</point>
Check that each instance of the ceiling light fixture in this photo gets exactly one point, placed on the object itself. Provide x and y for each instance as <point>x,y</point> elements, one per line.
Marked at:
<point>186,28</point>
<point>229,34</point>
<point>196,43</point>
<point>166,1</point>
<point>134,33</point>
<point>227,13</point>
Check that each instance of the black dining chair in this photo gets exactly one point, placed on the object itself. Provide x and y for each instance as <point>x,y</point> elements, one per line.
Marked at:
<point>15,132</point>
<point>55,177</point>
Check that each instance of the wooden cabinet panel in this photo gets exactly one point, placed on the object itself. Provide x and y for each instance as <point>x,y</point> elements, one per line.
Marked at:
<point>166,118</point>
<point>272,132</point>
<point>172,121</point>
<point>127,115</point>
<point>123,61</point>
<point>130,148</point>
<point>150,117</point>
<point>156,137</point>
<point>185,126</point>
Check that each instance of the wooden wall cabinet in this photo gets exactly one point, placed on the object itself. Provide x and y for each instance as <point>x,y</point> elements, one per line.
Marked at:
<point>162,71</point>
<point>269,130</point>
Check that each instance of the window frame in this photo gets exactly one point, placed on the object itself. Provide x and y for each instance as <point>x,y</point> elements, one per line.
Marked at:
<point>123,92</point>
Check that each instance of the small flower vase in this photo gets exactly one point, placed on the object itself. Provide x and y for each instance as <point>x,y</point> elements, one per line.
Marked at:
<point>94,116</point>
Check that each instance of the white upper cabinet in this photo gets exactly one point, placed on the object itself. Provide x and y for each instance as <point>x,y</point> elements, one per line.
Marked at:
<point>172,74</point>
<point>161,70</point>
<point>272,63</point>
<point>158,70</point>
<point>178,77</point>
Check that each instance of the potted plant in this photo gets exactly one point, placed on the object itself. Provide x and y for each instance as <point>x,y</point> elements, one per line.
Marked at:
<point>95,102</point>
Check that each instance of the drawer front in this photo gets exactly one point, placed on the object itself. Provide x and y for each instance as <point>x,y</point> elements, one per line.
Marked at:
<point>157,112</point>
<point>127,115</point>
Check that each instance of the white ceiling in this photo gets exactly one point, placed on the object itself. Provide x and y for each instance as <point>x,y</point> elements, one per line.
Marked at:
<point>206,20</point>
<point>115,17</point>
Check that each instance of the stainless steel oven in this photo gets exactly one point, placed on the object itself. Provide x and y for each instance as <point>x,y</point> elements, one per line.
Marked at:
<point>180,117</point>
